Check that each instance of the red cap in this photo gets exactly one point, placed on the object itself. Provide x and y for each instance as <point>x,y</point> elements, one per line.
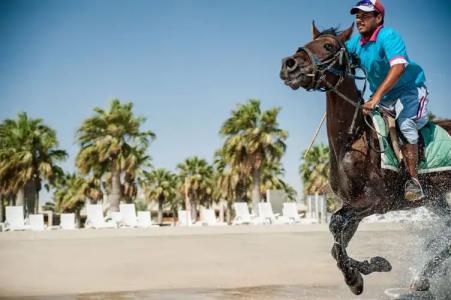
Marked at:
<point>369,5</point>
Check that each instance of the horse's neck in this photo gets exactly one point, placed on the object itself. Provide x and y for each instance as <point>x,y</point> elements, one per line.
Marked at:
<point>340,116</point>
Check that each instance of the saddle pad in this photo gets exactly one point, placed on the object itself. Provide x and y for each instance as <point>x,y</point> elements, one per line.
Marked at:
<point>437,152</point>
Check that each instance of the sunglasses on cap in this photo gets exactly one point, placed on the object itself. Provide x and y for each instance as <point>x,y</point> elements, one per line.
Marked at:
<point>365,3</point>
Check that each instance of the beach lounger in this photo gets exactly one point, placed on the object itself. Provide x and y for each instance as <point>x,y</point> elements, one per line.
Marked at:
<point>95,218</point>
<point>290,211</point>
<point>242,215</point>
<point>184,219</point>
<point>15,219</point>
<point>265,211</point>
<point>144,220</point>
<point>67,221</point>
<point>116,218</point>
<point>36,222</point>
<point>208,218</point>
<point>129,218</point>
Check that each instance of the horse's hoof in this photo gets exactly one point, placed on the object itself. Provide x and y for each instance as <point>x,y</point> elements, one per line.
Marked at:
<point>355,282</point>
<point>420,285</point>
<point>380,264</point>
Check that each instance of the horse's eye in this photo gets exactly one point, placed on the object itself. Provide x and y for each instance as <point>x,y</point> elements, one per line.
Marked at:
<point>329,47</point>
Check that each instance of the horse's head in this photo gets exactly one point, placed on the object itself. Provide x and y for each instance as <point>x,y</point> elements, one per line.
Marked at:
<point>324,58</point>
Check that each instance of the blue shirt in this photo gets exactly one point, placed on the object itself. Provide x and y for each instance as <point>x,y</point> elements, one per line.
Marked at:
<point>377,54</point>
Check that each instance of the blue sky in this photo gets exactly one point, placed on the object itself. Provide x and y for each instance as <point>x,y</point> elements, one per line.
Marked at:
<point>187,64</point>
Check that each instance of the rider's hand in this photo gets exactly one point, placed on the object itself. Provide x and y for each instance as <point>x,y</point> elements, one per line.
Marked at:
<point>370,105</point>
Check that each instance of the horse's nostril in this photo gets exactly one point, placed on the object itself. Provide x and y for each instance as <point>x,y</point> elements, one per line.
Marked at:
<point>291,64</point>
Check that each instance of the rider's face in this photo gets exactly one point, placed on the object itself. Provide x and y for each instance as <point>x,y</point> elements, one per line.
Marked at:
<point>367,22</point>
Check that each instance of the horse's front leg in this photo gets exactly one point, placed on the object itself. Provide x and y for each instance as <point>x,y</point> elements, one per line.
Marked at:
<point>343,225</point>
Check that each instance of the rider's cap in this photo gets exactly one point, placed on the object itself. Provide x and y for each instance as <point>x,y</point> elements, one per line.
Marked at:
<point>367,6</point>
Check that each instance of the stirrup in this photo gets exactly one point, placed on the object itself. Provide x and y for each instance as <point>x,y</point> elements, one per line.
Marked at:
<point>413,190</point>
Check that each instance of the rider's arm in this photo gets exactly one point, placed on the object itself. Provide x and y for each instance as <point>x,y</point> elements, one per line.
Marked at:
<point>394,74</point>
<point>396,55</point>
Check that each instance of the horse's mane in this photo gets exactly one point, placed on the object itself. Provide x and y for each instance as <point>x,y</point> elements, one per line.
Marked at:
<point>332,31</point>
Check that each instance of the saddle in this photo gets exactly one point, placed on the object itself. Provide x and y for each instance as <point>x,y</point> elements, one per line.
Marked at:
<point>434,145</point>
<point>396,137</point>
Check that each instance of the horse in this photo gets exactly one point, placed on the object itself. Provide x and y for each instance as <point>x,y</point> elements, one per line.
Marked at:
<point>356,176</point>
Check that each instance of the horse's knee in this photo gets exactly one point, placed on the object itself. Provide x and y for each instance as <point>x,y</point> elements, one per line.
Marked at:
<point>336,225</point>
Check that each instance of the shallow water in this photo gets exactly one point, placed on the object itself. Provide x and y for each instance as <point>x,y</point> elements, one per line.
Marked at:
<point>257,293</point>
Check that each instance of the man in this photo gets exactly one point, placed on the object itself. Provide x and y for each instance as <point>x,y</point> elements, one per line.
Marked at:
<point>395,81</point>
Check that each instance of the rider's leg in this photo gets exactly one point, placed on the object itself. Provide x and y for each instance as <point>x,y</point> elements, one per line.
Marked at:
<point>413,190</point>
<point>411,118</point>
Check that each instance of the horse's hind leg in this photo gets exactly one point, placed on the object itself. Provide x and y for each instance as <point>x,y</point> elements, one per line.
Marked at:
<point>343,225</point>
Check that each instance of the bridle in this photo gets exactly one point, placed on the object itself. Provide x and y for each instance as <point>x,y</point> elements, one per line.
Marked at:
<point>322,67</point>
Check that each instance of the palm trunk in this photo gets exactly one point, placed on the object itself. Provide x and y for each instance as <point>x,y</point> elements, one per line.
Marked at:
<point>229,213</point>
<point>187,201</point>
<point>160,210</point>
<point>30,197</point>
<point>194,213</point>
<point>221,211</point>
<point>78,218</point>
<point>36,203</point>
<point>20,196</point>
<point>115,196</point>
<point>174,214</point>
<point>255,190</point>
<point>1,210</point>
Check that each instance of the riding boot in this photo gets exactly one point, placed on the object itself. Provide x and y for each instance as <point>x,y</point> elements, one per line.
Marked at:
<point>412,190</point>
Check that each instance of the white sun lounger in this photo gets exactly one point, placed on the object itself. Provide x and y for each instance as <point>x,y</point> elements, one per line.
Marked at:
<point>67,221</point>
<point>95,217</point>
<point>290,211</point>
<point>184,219</point>
<point>36,222</point>
<point>115,217</point>
<point>144,220</point>
<point>242,215</point>
<point>266,212</point>
<point>128,212</point>
<point>208,218</point>
<point>15,219</point>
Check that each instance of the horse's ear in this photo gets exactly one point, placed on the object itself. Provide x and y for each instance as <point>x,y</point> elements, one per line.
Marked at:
<point>315,31</point>
<point>345,35</point>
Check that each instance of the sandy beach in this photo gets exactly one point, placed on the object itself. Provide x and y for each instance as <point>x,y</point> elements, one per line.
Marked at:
<point>234,262</point>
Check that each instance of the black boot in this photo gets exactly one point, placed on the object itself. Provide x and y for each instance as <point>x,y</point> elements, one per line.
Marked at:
<point>412,190</point>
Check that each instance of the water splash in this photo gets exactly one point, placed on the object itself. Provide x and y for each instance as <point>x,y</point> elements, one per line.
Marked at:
<point>432,237</point>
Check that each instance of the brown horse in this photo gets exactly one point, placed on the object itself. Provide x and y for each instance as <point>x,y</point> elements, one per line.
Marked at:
<point>356,176</point>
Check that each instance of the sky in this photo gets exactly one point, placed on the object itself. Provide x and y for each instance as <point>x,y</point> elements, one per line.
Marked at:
<point>186,64</point>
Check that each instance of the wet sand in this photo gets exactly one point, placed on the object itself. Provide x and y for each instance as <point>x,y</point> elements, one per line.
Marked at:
<point>239,262</point>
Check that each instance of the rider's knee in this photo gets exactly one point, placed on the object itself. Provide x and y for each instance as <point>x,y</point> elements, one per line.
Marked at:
<point>408,129</point>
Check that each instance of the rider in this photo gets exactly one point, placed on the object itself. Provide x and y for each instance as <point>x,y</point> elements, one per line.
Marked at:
<point>395,81</point>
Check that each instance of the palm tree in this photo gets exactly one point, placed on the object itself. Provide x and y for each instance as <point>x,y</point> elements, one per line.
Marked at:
<point>314,170</point>
<point>28,156</point>
<point>227,180</point>
<point>108,139</point>
<point>134,167</point>
<point>272,174</point>
<point>160,185</point>
<point>196,177</point>
<point>252,139</point>
<point>315,174</point>
<point>72,191</point>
